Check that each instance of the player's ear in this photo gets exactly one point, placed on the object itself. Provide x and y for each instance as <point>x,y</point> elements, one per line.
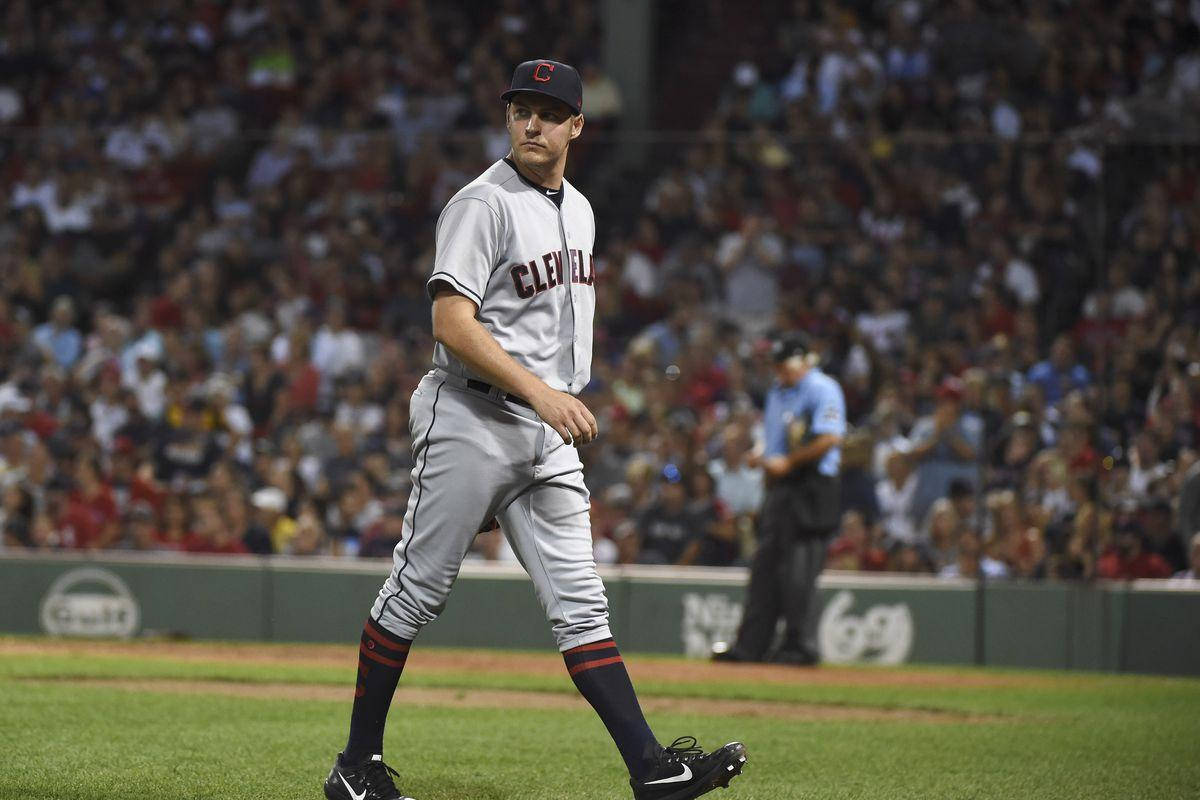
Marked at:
<point>576,125</point>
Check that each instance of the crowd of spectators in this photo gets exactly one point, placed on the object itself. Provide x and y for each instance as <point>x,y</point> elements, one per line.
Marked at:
<point>218,219</point>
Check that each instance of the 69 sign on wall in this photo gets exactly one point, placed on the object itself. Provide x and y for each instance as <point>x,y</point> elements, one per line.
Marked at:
<point>881,633</point>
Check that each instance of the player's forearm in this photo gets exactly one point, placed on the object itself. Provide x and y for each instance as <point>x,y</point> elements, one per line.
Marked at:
<point>813,451</point>
<point>475,346</point>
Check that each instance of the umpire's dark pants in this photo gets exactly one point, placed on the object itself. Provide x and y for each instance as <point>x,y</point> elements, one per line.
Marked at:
<point>797,520</point>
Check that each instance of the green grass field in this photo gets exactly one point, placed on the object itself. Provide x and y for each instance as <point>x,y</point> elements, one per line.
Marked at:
<point>102,723</point>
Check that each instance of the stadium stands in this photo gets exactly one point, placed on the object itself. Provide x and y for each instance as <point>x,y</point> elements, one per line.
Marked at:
<point>218,219</point>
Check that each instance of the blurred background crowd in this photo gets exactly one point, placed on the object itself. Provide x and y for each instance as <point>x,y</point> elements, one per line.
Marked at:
<point>218,218</point>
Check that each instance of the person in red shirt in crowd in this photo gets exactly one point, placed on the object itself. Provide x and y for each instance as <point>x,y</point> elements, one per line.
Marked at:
<point>303,380</point>
<point>174,532</point>
<point>209,533</point>
<point>90,512</point>
<point>707,380</point>
<point>166,310</point>
<point>997,317</point>
<point>140,523</point>
<point>854,549</point>
<point>1126,559</point>
<point>132,482</point>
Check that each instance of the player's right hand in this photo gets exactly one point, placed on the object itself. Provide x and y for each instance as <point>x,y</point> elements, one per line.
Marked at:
<point>567,415</point>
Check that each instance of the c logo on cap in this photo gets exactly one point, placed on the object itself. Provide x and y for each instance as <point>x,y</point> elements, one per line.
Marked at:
<point>537,72</point>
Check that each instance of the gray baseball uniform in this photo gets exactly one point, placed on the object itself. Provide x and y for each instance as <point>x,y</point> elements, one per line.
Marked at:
<point>526,261</point>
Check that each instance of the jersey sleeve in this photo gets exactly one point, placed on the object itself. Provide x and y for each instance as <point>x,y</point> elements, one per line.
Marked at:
<point>829,415</point>
<point>468,247</point>
<point>774,430</point>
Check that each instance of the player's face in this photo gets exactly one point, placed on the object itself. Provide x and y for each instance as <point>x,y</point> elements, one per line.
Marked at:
<point>540,129</point>
<point>791,371</point>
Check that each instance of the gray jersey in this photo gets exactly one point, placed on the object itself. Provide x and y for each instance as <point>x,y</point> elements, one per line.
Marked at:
<point>527,263</point>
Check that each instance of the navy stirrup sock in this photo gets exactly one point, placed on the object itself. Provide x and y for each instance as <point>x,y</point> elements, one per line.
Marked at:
<point>381,657</point>
<point>600,675</point>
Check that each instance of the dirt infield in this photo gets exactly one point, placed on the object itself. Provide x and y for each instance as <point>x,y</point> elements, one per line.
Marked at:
<point>500,662</point>
<point>435,661</point>
<point>503,699</point>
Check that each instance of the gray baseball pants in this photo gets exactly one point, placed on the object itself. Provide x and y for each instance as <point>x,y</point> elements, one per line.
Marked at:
<point>476,457</point>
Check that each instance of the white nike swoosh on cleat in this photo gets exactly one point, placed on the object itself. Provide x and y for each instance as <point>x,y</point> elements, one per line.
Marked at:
<point>686,775</point>
<point>353,794</point>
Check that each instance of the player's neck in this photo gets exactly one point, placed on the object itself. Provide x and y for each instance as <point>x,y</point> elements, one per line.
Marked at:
<point>550,178</point>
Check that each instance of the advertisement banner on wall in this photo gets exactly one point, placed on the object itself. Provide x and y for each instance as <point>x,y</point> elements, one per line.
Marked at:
<point>90,602</point>
<point>880,633</point>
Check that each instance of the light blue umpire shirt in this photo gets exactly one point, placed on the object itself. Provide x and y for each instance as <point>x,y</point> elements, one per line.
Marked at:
<point>817,404</point>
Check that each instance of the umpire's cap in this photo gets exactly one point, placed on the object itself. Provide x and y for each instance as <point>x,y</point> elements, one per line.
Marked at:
<point>551,78</point>
<point>786,344</point>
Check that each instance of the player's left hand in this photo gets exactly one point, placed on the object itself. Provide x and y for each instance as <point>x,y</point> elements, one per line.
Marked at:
<point>566,414</point>
<point>776,466</point>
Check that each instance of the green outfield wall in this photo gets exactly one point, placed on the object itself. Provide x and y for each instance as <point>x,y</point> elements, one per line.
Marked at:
<point>1145,626</point>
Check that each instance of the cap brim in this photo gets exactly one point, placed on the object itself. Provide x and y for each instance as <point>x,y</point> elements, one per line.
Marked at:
<point>511,93</point>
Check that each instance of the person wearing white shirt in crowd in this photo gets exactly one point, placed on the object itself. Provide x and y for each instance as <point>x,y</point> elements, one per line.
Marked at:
<point>271,164</point>
<point>885,324</point>
<point>336,349</point>
<point>104,344</point>
<point>1125,301</point>
<point>108,410</point>
<point>36,188</point>
<point>895,495</point>
<point>1016,275</point>
<point>148,383</point>
<point>749,259</point>
<point>14,443</point>
<point>972,559</point>
<point>233,420</point>
<point>356,412</point>
<point>738,485</point>
<point>127,144</point>
<point>639,273</point>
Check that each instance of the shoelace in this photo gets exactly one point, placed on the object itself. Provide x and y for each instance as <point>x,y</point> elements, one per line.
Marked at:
<point>683,750</point>
<point>377,775</point>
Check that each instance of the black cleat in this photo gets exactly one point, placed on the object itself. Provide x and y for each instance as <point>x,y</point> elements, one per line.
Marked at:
<point>685,771</point>
<point>723,654</point>
<point>370,780</point>
<point>796,658</point>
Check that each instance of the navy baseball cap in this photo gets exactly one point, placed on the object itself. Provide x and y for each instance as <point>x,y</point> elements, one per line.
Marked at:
<point>551,78</point>
<point>788,344</point>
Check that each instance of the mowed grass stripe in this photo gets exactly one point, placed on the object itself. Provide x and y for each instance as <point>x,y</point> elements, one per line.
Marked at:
<point>70,742</point>
<point>507,698</point>
<point>988,692</point>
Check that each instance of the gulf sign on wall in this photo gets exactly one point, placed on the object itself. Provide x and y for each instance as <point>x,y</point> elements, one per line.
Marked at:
<point>90,602</point>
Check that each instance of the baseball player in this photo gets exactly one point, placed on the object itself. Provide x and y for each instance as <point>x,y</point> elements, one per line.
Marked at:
<point>495,427</point>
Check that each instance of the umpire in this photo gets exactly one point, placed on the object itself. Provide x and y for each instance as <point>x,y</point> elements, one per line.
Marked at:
<point>803,426</point>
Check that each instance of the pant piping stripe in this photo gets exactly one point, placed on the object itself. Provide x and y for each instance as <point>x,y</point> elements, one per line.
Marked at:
<point>537,549</point>
<point>416,506</point>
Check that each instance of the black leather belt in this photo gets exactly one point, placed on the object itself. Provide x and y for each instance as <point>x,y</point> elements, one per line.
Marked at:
<point>486,388</point>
